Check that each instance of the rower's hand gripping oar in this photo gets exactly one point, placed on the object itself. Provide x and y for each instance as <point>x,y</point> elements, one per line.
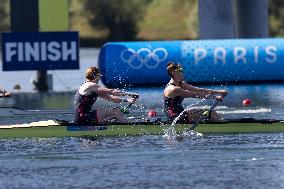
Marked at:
<point>125,109</point>
<point>205,114</point>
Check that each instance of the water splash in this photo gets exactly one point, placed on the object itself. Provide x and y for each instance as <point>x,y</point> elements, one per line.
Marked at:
<point>171,133</point>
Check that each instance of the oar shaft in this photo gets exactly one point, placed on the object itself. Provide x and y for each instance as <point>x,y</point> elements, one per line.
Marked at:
<point>204,115</point>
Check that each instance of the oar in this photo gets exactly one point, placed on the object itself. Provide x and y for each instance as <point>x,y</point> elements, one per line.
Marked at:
<point>205,114</point>
<point>125,109</point>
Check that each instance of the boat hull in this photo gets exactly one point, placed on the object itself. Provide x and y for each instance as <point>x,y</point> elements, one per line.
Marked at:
<point>134,130</point>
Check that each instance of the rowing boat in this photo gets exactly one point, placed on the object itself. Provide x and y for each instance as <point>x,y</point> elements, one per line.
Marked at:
<point>53,128</point>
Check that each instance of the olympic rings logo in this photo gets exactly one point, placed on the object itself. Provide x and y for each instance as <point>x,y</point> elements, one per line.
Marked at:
<point>144,57</point>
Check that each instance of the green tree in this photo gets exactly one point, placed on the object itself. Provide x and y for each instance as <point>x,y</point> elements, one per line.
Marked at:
<point>170,20</point>
<point>276,18</point>
<point>4,15</point>
<point>119,17</point>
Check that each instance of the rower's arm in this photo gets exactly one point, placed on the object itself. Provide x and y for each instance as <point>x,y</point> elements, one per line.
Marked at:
<point>115,99</point>
<point>115,92</point>
<point>178,91</point>
<point>202,90</point>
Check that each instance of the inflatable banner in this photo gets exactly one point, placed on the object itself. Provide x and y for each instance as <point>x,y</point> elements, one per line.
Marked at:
<point>204,61</point>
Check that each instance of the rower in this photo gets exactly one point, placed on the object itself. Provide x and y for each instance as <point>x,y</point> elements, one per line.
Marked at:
<point>177,89</point>
<point>87,95</point>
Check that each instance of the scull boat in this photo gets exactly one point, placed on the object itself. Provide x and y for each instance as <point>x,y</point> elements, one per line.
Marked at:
<point>61,128</point>
<point>54,128</point>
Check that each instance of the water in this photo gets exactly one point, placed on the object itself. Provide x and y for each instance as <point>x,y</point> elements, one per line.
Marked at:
<point>214,161</point>
<point>211,161</point>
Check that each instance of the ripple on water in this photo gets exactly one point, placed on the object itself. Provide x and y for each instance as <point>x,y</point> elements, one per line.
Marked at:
<point>213,161</point>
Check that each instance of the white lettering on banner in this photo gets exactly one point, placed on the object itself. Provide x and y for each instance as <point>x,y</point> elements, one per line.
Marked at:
<point>10,51</point>
<point>240,55</point>
<point>69,52</point>
<point>271,51</point>
<point>199,54</point>
<point>220,54</point>
<point>41,51</point>
<point>32,51</point>
<point>20,52</point>
<point>256,54</point>
<point>53,48</point>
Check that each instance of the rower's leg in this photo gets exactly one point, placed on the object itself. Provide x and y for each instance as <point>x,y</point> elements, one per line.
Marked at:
<point>105,120</point>
<point>120,116</point>
<point>105,115</point>
<point>215,116</point>
<point>193,115</point>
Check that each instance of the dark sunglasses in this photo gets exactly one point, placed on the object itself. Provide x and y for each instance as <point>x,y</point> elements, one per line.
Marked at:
<point>178,68</point>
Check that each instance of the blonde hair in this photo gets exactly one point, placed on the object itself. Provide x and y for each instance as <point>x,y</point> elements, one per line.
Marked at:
<point>92,73</point>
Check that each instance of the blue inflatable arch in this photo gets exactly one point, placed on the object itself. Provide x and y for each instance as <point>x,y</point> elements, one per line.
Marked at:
<point>126,64</point>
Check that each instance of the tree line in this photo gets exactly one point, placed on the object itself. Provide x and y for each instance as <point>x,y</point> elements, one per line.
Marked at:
<point>121,19</point>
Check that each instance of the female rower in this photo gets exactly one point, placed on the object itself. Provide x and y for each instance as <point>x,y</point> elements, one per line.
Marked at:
<point>87,95</point>
<point>177,89</point>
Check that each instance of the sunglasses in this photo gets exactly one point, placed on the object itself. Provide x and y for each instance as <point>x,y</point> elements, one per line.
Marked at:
<point>178,68</point>
<point>97,75</point>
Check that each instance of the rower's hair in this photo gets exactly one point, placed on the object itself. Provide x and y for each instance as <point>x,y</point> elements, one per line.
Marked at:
<point>171,66</point>
<point>92,72</point>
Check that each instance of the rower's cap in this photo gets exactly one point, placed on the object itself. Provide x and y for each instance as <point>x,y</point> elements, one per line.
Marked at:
<point>92,73</point>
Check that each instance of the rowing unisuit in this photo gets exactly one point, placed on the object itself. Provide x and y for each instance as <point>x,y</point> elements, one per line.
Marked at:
<point>173,106</point>
<point>83,105</point>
